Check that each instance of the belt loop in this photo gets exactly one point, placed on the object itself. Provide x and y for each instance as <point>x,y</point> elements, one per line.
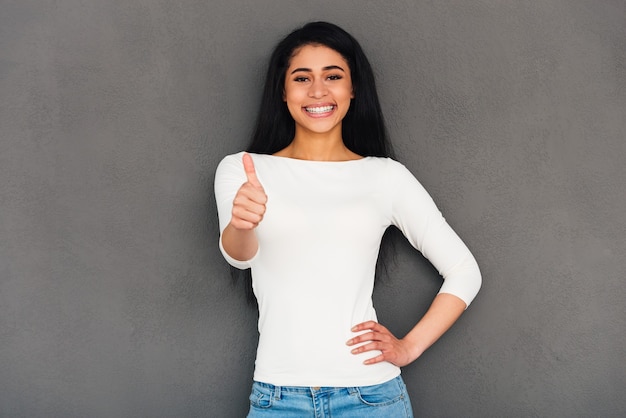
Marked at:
<point>277,392</point>
<point>352,390</point>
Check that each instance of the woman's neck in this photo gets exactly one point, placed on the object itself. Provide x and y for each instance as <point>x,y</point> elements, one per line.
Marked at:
<point>315,152</point>
<point>317,148</point>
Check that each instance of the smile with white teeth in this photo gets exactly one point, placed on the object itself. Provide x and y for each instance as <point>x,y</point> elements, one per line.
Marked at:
<point>320,109</point>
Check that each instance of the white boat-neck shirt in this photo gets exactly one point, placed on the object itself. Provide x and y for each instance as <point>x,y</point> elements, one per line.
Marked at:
<point>313,273</point>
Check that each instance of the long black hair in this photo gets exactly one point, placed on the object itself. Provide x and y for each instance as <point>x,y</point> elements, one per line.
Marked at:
<point>363,127</point>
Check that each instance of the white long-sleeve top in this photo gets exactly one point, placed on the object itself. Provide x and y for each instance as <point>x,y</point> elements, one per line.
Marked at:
<point>313,274</point>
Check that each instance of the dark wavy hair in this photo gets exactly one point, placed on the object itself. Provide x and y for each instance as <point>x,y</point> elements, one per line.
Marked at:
<point>363,127</point>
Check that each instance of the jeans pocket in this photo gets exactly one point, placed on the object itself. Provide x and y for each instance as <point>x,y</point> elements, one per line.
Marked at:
<point>261,396</point>
<point>384,394</point>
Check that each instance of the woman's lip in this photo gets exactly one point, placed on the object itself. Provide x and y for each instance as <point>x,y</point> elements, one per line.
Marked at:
<point>319,110</point>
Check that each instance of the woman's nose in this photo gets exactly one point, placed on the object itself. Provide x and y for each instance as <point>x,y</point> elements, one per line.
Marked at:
<point>318,89</point>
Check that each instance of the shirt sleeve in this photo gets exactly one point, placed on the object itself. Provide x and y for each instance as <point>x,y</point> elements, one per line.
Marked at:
<point>229,177</point>
<point>414,212</point>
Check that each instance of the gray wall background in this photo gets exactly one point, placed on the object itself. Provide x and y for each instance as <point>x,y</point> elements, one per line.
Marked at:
<point>114,299</point>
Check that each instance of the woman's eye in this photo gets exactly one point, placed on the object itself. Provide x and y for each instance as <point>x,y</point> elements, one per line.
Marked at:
<point>300,79</point>
<point>334,77</point>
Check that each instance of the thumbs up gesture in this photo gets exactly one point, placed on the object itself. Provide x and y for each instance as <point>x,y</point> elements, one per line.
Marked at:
<point>249,202</point>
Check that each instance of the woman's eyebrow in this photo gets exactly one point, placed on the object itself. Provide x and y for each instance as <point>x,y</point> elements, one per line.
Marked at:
<point>308,70</point>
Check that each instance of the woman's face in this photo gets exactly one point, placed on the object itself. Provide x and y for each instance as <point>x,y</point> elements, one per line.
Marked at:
<point>318,90</point>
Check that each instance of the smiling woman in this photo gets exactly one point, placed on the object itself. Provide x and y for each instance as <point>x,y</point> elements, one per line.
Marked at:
<point>305,210</point>
<point>318,92</point>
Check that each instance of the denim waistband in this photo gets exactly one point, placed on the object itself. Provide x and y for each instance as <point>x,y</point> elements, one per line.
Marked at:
<point>277,390</point>
<point>313,390</point>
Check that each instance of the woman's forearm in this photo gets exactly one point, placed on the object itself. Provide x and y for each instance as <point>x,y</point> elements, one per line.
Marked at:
<point>443,312</point>
<point>240,244</point>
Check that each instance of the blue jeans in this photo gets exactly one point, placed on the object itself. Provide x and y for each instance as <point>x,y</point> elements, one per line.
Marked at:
<point>387,400</point>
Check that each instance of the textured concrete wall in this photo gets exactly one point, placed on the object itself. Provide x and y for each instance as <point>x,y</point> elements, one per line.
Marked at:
<point>114,300</point>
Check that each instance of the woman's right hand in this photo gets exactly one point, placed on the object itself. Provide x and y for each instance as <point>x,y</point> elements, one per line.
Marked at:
<point>249,202</point>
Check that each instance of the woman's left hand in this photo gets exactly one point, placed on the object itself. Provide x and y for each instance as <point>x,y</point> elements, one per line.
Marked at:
<point>394,350</point>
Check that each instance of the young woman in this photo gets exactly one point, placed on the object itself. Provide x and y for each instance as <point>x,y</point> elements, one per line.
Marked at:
<point>305,209</point>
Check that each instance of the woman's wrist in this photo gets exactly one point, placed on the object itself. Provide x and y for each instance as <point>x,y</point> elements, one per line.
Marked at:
<point>240,244</point>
